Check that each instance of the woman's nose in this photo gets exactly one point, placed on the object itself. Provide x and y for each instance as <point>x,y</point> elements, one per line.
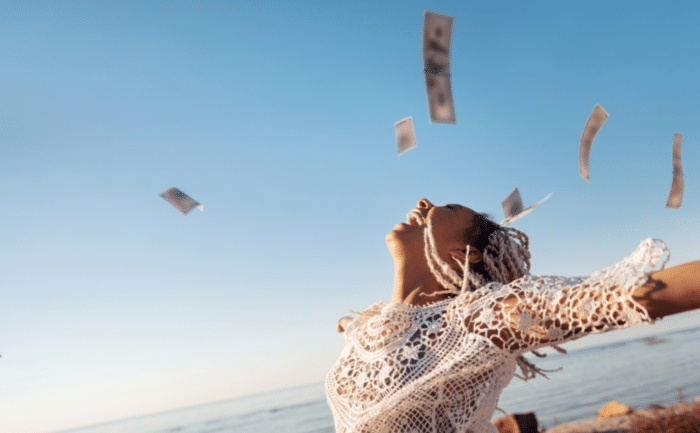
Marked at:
<point>424,203</point>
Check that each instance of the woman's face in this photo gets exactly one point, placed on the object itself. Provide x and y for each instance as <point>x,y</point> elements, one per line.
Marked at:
<point>449,222</point>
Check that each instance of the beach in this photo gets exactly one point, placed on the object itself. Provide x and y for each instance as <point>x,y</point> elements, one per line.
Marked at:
<point>637,373</point>
<point>683,416</point>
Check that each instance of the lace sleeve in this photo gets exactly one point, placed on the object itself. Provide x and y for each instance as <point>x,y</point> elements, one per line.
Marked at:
<point>532,312</point>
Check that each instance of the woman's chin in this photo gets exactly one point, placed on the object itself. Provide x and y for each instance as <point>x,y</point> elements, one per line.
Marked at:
<point>400,230</point>
<point>393,236</point>
<point>405,234</point>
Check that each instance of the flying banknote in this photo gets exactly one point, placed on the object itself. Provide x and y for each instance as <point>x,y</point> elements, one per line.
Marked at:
<point>437,37</point>
<point>593,125</point>
<point>675,197</point>
<point>182,202</point>
<point>513,207</point>
<point>405,135</point>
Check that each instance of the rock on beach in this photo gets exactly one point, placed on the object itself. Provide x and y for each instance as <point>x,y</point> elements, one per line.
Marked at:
<point>517,423</point>
<point>614,417</point>
<point>614,408</point>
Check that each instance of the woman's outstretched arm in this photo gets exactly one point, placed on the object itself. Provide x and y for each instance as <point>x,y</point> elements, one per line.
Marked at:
<point>671,291</point>
<point>524,320</point>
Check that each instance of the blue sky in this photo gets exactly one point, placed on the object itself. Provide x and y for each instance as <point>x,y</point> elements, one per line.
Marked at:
<point>279,119</point>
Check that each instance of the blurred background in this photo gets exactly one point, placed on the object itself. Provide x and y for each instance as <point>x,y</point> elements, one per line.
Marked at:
<point>279,119</point>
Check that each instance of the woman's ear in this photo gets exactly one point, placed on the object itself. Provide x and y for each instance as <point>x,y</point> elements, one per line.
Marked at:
<point>474,255</point>
<point>459,255</point>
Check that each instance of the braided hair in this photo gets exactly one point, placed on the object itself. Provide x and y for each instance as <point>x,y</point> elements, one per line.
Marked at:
<point>505,257</point>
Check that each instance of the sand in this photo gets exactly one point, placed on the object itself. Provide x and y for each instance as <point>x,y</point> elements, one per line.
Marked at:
<point>616,424</point>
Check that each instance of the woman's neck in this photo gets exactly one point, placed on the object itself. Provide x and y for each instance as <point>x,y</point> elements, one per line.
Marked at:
<point>414,283</point>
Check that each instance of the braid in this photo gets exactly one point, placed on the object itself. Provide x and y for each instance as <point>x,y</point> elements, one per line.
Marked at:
<point>438,267</point>
<point>505,258</point>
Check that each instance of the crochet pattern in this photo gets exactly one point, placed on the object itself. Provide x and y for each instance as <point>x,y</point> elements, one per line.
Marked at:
<point>441,368</point>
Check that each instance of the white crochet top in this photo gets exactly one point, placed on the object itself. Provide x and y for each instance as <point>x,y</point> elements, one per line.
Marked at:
<point>438,369</point>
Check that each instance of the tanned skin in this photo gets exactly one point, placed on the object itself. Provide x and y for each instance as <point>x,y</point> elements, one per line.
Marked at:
<point>669,291</point>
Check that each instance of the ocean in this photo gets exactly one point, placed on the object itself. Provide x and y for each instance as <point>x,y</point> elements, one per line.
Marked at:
<point>632,372</point>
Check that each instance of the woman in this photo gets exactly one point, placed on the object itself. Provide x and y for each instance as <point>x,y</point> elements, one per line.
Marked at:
<point>463,311</point>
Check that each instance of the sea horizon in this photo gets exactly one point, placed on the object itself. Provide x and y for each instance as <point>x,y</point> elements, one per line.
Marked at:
<point>245,403</point>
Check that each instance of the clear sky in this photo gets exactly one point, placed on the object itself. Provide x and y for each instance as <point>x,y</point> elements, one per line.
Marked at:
<point>279,119</point>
